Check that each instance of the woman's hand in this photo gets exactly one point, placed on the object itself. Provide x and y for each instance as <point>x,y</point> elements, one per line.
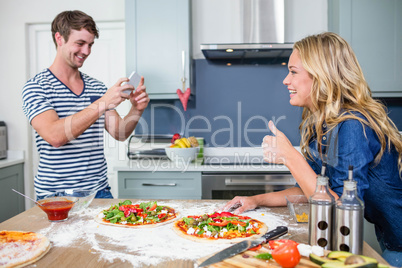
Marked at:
<point>241,204</point>
<point>276,148</point>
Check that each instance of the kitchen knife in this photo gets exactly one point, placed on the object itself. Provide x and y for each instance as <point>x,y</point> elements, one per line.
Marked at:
<point>244,245</point>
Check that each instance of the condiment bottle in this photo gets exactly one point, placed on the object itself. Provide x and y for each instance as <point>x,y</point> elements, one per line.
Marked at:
<point>321,205</point>
<point>349,211</point>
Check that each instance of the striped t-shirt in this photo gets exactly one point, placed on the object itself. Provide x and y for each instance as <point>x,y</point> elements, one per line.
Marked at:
<point>80,163</point>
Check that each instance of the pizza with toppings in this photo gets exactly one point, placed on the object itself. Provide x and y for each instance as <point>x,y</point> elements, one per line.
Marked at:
<point>222,227</point>
<point>143,215</point>
<point>18,249</point>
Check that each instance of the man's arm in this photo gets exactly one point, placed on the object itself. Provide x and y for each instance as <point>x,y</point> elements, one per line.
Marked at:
<point>58,132</point>
<point>121,128</point>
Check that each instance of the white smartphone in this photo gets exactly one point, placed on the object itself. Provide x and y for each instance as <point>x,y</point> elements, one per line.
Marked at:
<point>135,79</point>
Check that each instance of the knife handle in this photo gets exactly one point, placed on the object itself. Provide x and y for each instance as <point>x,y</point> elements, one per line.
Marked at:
<point>274,234</point>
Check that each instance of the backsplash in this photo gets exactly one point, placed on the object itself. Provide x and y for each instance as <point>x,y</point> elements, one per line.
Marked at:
<point>232,107</point>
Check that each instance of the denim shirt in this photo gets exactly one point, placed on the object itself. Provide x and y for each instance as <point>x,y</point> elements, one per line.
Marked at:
<point>378,185</point>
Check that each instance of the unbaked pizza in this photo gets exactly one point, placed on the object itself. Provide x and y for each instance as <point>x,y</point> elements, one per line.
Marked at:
<point>143,215</point>
<point>18,249</point>
<point>222,227</point>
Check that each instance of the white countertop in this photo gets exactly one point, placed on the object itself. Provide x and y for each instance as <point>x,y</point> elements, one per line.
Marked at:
<point>154,165</point>
<point>13,158</point>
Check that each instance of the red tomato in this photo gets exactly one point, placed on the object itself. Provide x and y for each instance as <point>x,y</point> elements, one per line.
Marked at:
<point>287,255</point>
<point>162,215</point>
<point>223,223</point>
<point>256,248</point>
<point>241,223</point>
<point>226,214</point>
<point>153,207</point>
<point>275,243</point>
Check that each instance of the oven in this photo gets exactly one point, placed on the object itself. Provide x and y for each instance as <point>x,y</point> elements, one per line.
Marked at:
<point>217,185</point>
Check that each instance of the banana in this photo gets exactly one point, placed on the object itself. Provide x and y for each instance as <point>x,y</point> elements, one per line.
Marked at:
<point>181,144</point>
<point>187,142</point>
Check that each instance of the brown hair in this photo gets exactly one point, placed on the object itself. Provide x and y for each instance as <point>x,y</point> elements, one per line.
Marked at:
<point>339,89</point>
<point>73,20</point>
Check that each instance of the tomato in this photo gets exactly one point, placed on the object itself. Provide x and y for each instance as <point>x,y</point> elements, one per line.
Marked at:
<point>223,223</point>
<point>243,217</point>
<point>153,207</point>
<point>241,223</point>
<point>216,214</point>
<point>256,247</point>
<point>275,243</point>
<point>162,215</point>
<point>226,214</point>
<point>286,255</point>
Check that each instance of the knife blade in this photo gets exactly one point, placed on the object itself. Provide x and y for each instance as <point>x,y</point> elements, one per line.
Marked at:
<point>244,245</point>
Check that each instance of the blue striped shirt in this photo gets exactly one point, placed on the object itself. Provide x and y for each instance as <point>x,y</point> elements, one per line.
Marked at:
<point>80,163</point>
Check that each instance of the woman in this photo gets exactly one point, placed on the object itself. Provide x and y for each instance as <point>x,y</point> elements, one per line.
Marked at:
<point>341,125</point>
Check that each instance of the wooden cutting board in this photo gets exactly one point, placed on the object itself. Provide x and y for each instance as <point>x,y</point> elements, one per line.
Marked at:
<point>247,260</point>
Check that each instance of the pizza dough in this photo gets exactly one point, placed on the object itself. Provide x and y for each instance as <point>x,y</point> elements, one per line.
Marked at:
<point>181,230</point>
<point>18,249</point>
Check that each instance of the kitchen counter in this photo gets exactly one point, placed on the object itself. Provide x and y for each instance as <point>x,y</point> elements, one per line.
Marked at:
<point>81,242</point>
<point>13,158</point>
<point>244,153</point>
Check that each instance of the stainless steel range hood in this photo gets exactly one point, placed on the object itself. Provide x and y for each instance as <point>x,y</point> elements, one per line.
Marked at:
<point>259,37</point>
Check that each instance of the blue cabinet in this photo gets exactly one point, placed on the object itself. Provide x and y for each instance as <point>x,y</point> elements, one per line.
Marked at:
<point>157,33</point>
<point>11,203</point>
<point>373,28</point>
<point>159,185</point>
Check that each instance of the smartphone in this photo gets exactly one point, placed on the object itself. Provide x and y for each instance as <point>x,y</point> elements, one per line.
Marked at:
<point>135,79</point>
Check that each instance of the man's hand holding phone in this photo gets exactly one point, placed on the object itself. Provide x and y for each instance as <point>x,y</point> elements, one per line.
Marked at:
<point>134,80</point>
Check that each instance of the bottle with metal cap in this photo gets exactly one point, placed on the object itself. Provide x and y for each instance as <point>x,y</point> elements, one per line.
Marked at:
<point>321,205</point>
<point>349,211</point>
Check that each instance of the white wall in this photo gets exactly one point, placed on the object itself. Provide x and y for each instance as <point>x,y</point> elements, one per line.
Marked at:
<point>15,15</point>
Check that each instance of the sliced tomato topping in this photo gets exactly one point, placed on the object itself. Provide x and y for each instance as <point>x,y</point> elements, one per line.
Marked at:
<point>194,217</point>
<point>226,214</point>
<point>152,207</point>
<point>162,215</point>
<point>241,223</point>
<point>223,223</point>
<point>216,214</point>
<point>243,217</point>
<point>256,248</point>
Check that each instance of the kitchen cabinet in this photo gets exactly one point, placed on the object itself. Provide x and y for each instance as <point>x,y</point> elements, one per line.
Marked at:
<point>159,185</point>
<point>11,204</point>
<point>157,33</point>
<point>373,28</point>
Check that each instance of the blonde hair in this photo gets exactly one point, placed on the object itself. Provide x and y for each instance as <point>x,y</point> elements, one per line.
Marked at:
<point>339,89</point>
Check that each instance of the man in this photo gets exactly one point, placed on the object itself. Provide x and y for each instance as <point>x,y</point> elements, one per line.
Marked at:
<point>68,110</point>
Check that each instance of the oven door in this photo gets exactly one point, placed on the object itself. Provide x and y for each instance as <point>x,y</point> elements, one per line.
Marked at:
<point>228,185</point>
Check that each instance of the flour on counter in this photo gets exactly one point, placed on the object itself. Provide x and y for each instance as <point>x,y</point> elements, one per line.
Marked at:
<point>141,247</point>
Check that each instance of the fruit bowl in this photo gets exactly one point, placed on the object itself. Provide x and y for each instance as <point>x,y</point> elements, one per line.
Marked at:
<point>84,197</point>
<point>182,155</point>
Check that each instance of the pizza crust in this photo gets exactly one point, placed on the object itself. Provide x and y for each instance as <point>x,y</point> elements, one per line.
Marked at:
<point>179,232</point>
<point>99,219</point>
<point>18,249</point>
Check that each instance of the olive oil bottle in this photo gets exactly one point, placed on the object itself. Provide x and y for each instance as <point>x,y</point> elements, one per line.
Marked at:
<point>321,205</point>
<point>349,211</point>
